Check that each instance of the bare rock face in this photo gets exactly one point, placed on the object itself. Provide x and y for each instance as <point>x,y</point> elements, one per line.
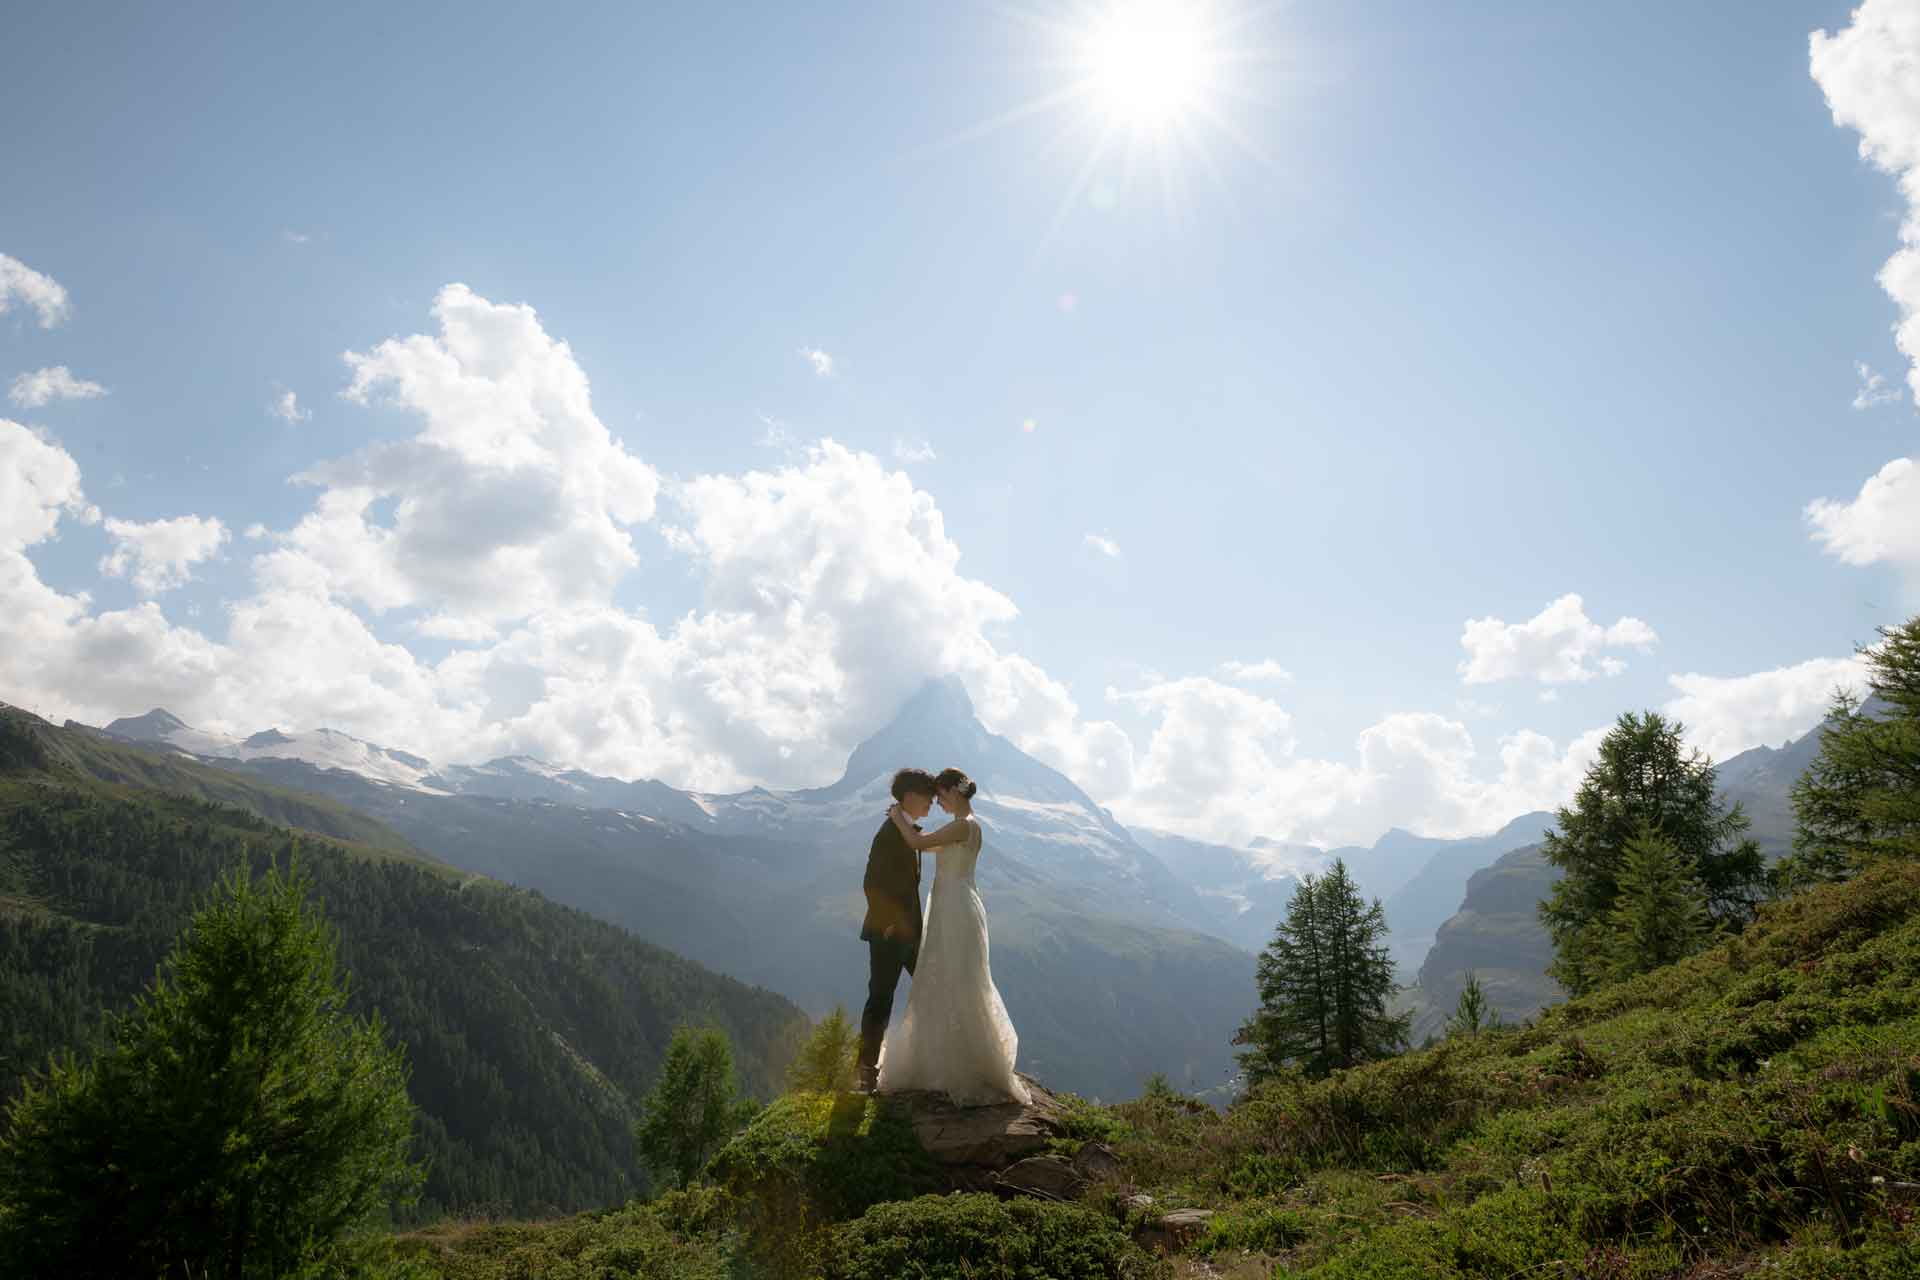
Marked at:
<point>1172,1232</point>
<point>1049,1177</point>
<point>974,1146</point>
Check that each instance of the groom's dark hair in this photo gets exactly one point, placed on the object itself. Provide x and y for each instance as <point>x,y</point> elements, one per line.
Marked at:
<point>915,780</point>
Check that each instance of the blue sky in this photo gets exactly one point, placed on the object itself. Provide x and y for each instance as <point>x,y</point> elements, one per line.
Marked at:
<point>1479,307</point>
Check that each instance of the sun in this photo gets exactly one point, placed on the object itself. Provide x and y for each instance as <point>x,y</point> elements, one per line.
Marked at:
<point>1148,64</point>
<point>1146,92</point>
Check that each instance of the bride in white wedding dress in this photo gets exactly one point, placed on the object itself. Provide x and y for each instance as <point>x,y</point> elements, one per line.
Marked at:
<point>956,1036</point>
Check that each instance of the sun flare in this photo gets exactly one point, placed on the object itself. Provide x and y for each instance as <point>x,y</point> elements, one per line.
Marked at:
<point>1148,63</point>
<point>1146,94</point>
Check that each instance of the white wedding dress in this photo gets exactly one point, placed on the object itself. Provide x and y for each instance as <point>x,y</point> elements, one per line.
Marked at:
<point>956,1036</point>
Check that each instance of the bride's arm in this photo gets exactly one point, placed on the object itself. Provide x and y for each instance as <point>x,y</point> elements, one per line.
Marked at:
<point>920,841</point>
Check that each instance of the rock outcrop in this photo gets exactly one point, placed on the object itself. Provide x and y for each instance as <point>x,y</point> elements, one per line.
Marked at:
<point>975,1146</point>
<point>1010,1150</point>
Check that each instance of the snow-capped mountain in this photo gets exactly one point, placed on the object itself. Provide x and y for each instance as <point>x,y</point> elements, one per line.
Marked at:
<point>321,748</point>
<point>1043,828</point>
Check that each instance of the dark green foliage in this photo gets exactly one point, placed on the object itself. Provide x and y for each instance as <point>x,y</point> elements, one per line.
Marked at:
<point>1660,914</point>
<point>1472,1013</point>
<point>681,1236</point>
<point>978,1237</point>
<point>240,1123</point>
<point>1324,982</point>
<point>1644,778</point>
<point>693,1106</point>
<point>1860,798</point>
<point>839,1154</point>
<point>827,1061</point>
<point>531,1030</point>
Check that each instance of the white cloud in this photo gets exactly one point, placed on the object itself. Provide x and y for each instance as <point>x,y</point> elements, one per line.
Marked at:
<point>39,482</point>
<point>1874,390</point>
<point>1867,72</point>
<point>1558,645</point>
<point>1881,523</point>
<point>1726,715</point>
<point>822,362</point>
<point>47,296</point>
<point>32,390</point>
<point>1221,764</point>
<point>1251,672</point>
<point>286,407</point>
<point>296,237</point>
<point>159,555</point>
<point>1104,545</point>
<point>911,451</point>
<point>511,498</point>
<point>830,590</point>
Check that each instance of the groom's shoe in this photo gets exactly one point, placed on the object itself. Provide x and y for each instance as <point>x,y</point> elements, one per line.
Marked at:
<point>869,1081</point>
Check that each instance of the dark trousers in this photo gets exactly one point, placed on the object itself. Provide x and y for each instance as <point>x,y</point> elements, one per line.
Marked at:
<point>885,962</point>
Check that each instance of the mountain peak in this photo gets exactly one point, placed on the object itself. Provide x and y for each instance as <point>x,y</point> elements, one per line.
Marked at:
<point>943,699</point>
<point>153,726</point>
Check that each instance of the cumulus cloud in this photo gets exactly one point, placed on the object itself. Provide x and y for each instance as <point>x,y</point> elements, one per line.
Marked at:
<point>911,451</point>
<point>159,555</point>
<point>1867,71</point>
<point>1873,391</point>
<point>1880,523</point>
<point>822,362</point>
<point>45,295</point>
<point>43,386</point>
<point>1221,763</point>
<point>1252,672</point>
<point>286,407</point>
<point>1101,543</point>
<point>1558,645</point>
<point>1726,715</point>
<point>511,498</point>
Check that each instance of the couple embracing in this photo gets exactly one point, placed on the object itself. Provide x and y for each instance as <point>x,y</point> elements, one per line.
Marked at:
<point>956,1037</point>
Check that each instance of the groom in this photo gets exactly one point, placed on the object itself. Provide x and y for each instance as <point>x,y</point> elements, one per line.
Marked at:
<point>892,927</point>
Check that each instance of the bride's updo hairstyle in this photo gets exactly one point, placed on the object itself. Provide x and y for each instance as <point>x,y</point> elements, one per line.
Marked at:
<point>958,781</point>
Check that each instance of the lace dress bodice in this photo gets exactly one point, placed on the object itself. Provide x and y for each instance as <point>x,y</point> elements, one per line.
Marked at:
<point>954,863</point>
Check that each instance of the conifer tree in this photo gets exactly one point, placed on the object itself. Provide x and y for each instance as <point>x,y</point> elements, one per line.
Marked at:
<point>1860,798</point>
<point>1644,777</point>
<point>239,1124</point>
<point>1660,914</point>
<point>1472,1012</point>
<point>1324,982</point>
<point>694,1106</point>
<point>827,1061</point>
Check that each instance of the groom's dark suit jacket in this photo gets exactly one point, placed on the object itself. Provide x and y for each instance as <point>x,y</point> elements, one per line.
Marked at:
<point>893,888</point>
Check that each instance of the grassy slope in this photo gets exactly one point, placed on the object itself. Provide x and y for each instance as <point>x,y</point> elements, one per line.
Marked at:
<point>1752,1111</point>
<point>1736,1107</point>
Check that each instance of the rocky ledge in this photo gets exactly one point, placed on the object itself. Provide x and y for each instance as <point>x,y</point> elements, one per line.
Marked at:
<point>1009,1149</point>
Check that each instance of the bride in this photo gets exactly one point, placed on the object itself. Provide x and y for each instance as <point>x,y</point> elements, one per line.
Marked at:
<point>956,1036</point>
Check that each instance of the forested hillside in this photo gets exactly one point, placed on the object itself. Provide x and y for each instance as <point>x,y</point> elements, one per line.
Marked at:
<point>530,1028</point>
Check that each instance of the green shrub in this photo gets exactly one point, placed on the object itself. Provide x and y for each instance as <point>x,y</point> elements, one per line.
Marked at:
<point>639,1242</point>
<point>977,1237</point>
<point>1257,1229</point>
<point>811,1160</point>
